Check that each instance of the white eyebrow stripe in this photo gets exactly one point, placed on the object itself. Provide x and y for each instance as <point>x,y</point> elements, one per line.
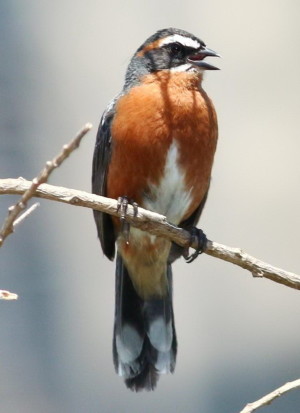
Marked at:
<point>185,41</point>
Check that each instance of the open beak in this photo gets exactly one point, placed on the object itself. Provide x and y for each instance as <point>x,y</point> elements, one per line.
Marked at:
<point>197,59</point>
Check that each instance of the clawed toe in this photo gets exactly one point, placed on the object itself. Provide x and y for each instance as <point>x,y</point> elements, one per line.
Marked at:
<point>198,235</point>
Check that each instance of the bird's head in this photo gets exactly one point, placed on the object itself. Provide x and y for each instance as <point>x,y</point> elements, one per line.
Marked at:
<point>170,49</point>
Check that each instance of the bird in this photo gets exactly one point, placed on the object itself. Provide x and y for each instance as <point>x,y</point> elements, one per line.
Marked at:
<point>154,149</point>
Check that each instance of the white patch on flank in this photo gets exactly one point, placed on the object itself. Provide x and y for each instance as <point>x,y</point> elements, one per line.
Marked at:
<point>177,38</point>
<point>169,197</point>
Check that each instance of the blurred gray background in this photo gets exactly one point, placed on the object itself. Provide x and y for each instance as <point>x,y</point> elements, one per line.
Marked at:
<point>61,62</point>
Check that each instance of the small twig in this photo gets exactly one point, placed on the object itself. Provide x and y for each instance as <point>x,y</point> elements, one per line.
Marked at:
<point>264,401</point>
<point>6,295</point>
<point>258,268</point>
<point>25,214</point>
<point>155,224</point>
<point>15,210</point>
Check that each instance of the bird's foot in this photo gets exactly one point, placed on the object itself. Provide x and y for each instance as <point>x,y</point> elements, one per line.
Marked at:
<point>122,207</point>
<point>198,236</point>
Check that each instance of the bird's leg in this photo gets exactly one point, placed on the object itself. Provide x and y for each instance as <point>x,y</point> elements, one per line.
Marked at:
<point>198,235</point>
<point>122,206</point>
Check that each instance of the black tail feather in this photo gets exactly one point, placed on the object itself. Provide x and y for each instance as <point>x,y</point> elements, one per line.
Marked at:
<point>146,380</point>
<point>144,343</point>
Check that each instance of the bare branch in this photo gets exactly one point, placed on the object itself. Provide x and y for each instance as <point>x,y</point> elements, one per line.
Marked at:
<point>264,401</point>
<point>155,224</point>
<point>6,295</point>
<point>15,210</point>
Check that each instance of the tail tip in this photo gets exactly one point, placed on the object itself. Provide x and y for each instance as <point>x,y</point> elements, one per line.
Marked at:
<point>146,380</point>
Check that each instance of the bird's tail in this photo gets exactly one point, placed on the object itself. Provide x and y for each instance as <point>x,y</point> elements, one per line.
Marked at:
<point>144,343</point>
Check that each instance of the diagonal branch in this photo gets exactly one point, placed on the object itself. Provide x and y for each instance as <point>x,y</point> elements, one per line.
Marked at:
<point>268,398</point>
<point>15,210</point>
<point>155,224</point>
<point>25,214</point>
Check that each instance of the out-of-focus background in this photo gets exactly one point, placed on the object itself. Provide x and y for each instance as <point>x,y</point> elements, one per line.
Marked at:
<point>61,62</point>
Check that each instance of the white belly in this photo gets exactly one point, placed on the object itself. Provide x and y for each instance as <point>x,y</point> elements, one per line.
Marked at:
<point>170,197</point>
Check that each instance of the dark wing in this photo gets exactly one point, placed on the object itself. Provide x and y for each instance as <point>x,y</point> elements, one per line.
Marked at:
<point>101,159</point>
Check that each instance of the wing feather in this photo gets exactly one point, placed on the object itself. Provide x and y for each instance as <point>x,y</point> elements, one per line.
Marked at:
<point>101,160</point>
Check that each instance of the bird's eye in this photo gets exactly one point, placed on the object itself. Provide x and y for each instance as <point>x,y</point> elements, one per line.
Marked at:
<point>176,49</point>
